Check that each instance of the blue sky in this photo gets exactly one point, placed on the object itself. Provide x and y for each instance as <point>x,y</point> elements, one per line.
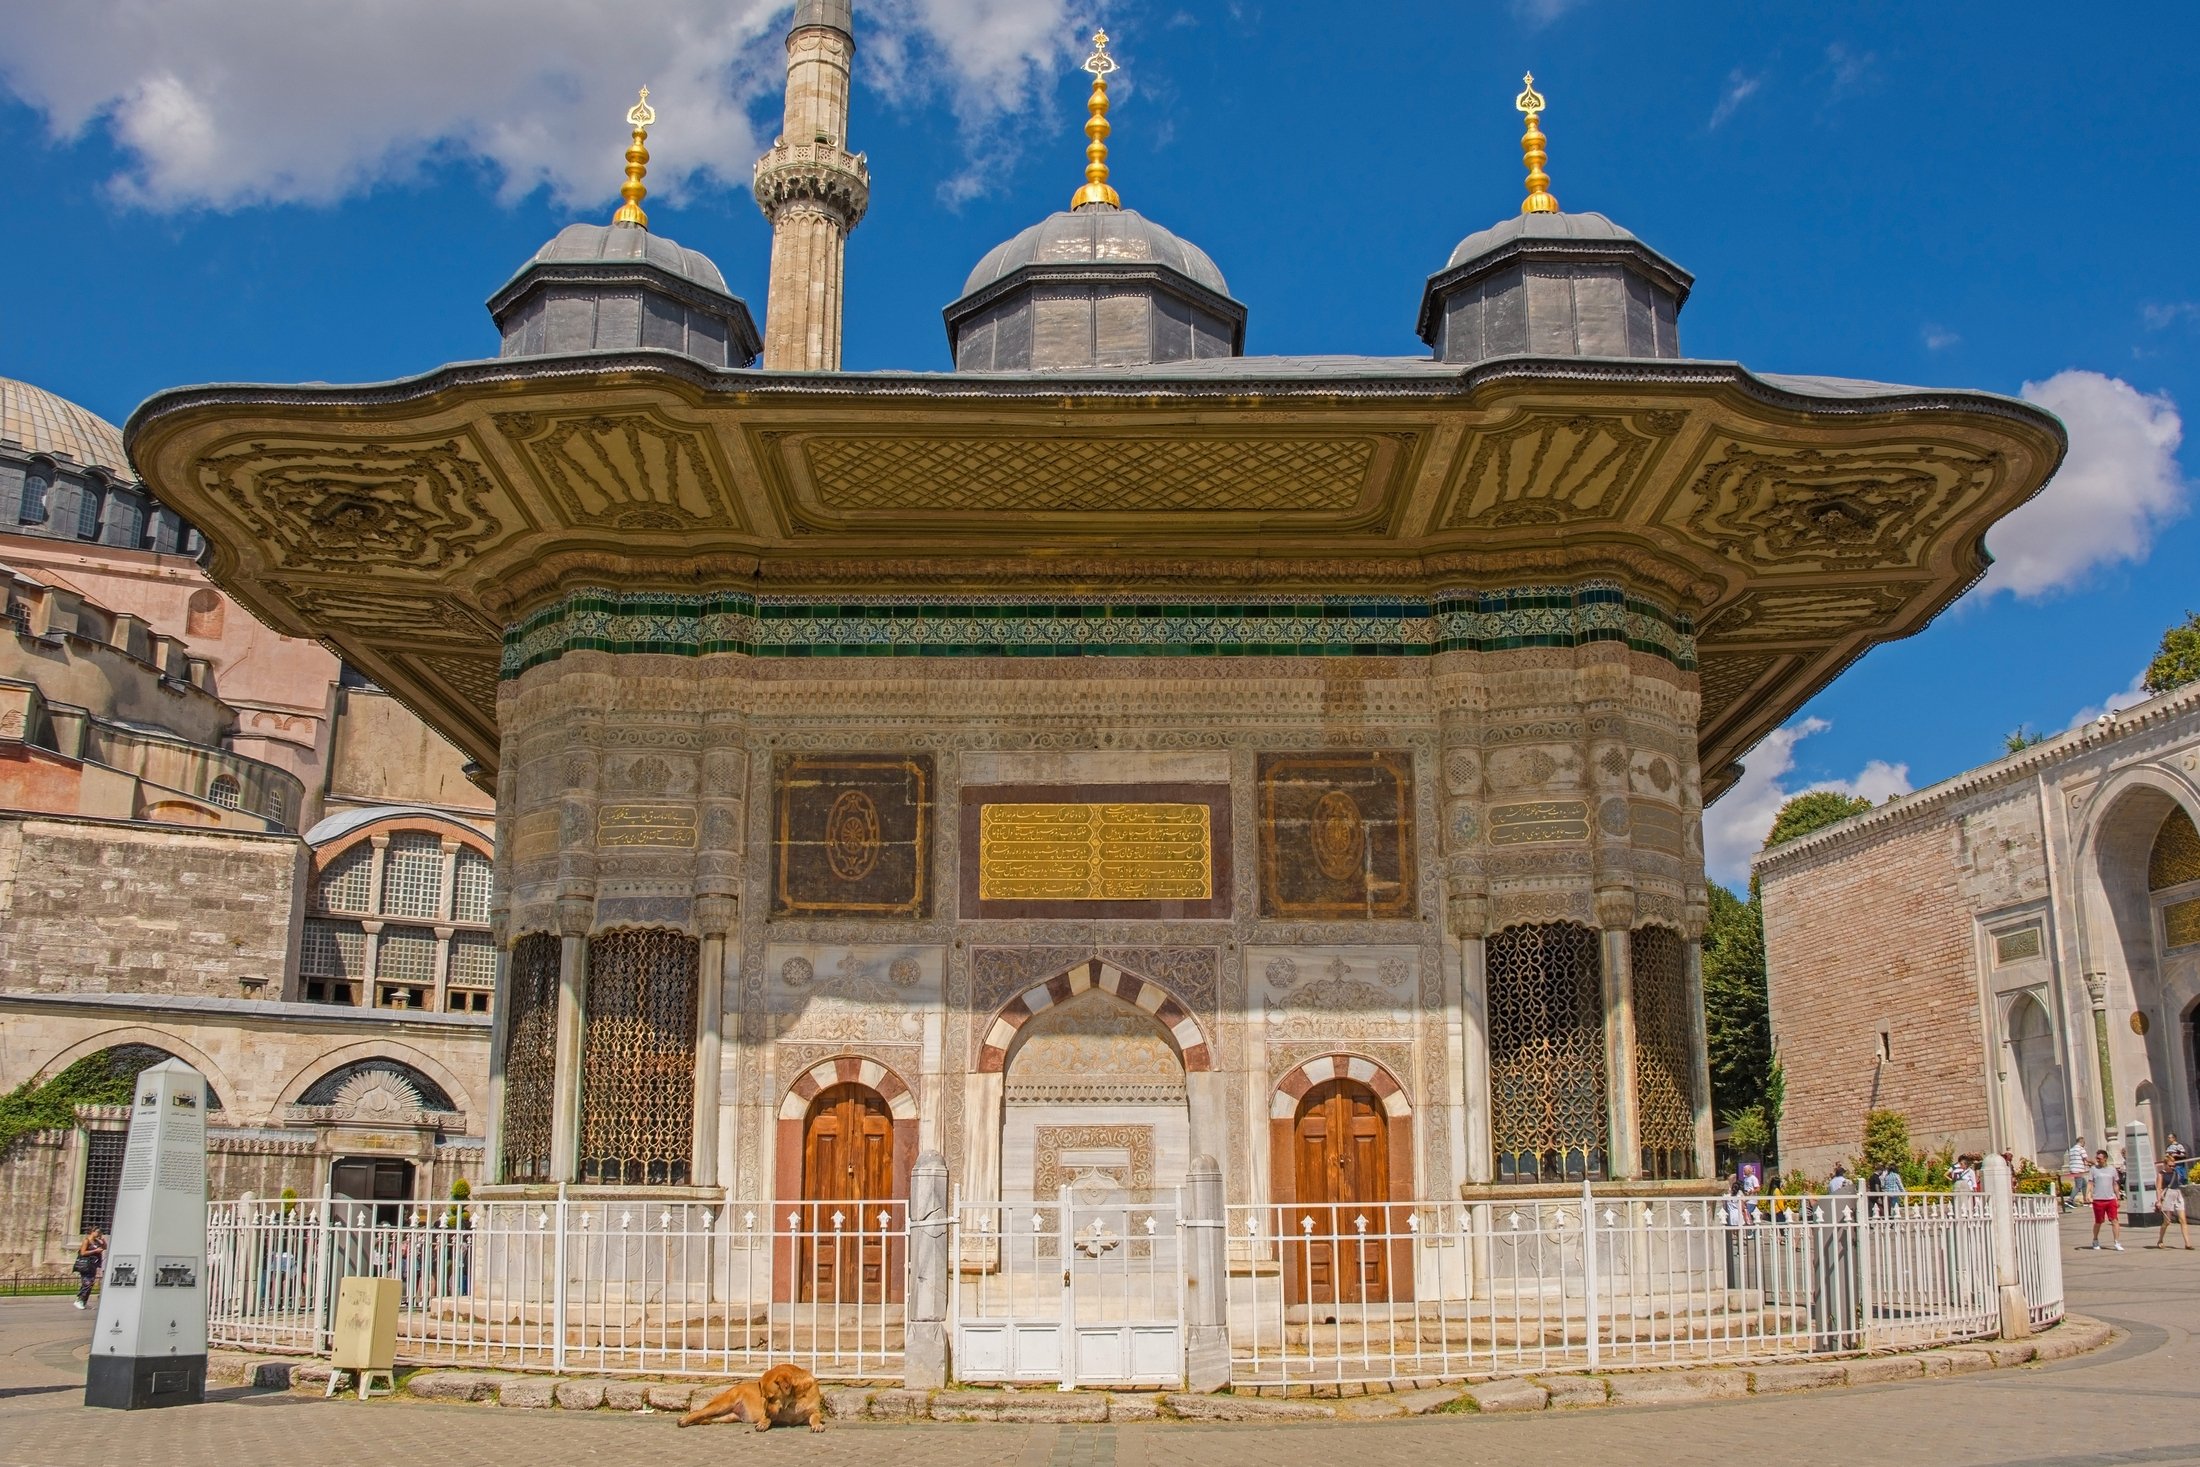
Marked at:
<point>1966,194</point>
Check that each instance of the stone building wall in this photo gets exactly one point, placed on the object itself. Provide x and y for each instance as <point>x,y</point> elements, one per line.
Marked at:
<point>90,906</point>
<point>1536,784</point>
<point>1876,999</point>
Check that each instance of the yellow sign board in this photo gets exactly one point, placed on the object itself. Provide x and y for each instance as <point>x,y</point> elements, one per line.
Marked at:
<point>1095,853</point>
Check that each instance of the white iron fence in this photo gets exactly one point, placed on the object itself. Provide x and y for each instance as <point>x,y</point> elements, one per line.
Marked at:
<point>1445,1289</point>
<point>1097,1289</point>
<point>605,1287</point>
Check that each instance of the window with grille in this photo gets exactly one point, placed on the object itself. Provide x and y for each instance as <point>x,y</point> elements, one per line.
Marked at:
<point>638,1058</point>
<point>36,483</point>
<point>333,950</point>
<point>1547,1064</point>
<point>412,876</point>
<point>102,1179</point>
<point>470,902</point>
<point>530,1078</point>
<point>407,956</point>
<point>1665,1054</point>
<point>473,960</point>
<point>223,792</point>
<point>87,513</point>
<point>344,882</point>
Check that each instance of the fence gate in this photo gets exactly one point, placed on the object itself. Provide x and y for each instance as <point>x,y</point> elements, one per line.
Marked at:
<point>1085,1290</point>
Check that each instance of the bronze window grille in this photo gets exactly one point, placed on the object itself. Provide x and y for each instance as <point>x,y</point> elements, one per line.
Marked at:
<point>638,1058</point>
<point>1547,1065</point>
<point>1665,1065</point>
<point>530,1057</point>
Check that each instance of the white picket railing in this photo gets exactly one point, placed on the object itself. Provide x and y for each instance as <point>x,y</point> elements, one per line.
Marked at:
<point>1094,1290</point>
<point>1445,1289</point>
<point>597,1286</point>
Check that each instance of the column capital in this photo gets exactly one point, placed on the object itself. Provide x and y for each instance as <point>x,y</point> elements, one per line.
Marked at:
<point>2096,990</point>
<point>715,916</point>
<point>1467,915</point>
<point>576,914</point>
<point>1615,908</point>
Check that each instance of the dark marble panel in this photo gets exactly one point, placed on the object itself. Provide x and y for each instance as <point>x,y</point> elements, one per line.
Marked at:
<point>1336,835</point>
<point>852,835</point>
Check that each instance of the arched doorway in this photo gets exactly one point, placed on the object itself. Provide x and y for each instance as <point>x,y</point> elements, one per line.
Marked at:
<point>847,1173</point>
<point>2040,1122</point>
<point>1094,1098</point>
<point>1340,1156</point>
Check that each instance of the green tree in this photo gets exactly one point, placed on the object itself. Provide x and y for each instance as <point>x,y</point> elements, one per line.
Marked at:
<point>1886,1140</point>
<point>2020,738</point>
<point>1813,811</point>
<point>1737,1020</point>
<point>105,1078</point>
<point>2178,661</point>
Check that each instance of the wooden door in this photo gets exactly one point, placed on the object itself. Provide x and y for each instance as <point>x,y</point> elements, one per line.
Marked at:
<point>848,1171</point>
<point>1341,1162</point>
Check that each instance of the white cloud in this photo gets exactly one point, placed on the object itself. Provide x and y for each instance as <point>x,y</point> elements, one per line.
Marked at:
<point>2162,314</point>
<point>1848,67</point>
<point>231,103</point>
<point>2119,485</point>
<point>2113,703</point>
<point>1938,337</point>
<point>1736,824</point>
<point>1740,87</point>
<point>1535,14</point>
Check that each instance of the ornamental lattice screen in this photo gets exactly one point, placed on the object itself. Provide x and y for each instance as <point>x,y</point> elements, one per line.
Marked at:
<point>530,1057</point>
<point>1547,1073</point>
<point>1665,1067</point>
<point>638,1058</point>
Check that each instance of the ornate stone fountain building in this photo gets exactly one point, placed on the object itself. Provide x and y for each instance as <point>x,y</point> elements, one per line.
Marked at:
<point>1116,748</point>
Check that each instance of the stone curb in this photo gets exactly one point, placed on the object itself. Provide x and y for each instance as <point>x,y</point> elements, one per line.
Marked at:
<point>2075,1336</point>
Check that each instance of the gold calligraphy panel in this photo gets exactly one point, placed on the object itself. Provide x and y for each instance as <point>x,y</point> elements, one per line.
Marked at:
<point>2181,924</point>
<point>1539,821</point>
<point>1095,853</point>
<point>645,825</point>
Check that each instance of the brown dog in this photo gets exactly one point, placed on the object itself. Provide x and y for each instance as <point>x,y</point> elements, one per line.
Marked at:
<point>785,1395</point>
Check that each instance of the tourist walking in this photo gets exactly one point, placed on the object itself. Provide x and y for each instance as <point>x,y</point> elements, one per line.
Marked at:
<point>2104,1184</point>
<point>90,1255</point>
<point>2074,1166</point>
<point>2171,1201</point>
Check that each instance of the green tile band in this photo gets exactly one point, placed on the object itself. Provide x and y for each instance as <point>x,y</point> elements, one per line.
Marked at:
<point>1007,626</point>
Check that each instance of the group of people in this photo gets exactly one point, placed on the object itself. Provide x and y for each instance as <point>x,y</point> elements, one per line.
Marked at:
<point>2101,1182</point>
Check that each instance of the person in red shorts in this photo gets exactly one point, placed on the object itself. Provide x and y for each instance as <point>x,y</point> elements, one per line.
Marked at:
<point>2105,1184</point>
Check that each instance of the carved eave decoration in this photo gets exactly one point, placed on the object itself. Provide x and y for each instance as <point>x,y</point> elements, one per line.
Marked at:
<point>1799,523</point>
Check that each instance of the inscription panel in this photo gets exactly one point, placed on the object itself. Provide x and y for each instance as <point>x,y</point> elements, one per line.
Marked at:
<point>1538,821</point>
<point>1095,852</point>
<point>1085,851</point>
<point>646,825</point>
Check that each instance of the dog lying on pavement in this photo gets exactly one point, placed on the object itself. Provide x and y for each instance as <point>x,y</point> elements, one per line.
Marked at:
<point>785,1395</point>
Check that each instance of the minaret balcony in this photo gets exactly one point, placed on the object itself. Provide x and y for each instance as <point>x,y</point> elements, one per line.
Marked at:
<point>814,173</point>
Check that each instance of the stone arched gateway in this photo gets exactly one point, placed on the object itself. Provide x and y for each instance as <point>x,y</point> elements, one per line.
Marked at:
<point>847,1137</point>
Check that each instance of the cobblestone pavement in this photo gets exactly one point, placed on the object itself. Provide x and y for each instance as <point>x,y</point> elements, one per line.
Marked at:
<point>2133,1403</point>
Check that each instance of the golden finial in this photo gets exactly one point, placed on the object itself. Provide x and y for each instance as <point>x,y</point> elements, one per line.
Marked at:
<point>1096,190</point>
<point>639,117</point>
<point>1539,200</point>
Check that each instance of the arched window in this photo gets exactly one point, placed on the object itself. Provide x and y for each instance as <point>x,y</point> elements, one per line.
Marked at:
<point>472,878</point>
<point>343,885</point>
<point>37,484</point>
<point>1665,1054</point>
<point>223,792</point>
<point>87,510</point>
<point>412,875</point>
<point>403,1081</point>
<point>530,1070</point>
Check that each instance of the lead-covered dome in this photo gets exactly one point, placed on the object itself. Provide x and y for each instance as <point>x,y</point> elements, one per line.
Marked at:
<point>1554,284</point>
<point>618,287</point>
<point>1098,286</point>
<point>41,422</point>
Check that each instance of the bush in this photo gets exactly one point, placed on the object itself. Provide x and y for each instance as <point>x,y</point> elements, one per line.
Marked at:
<point>1749,1133</point>
<point>106,1078</point>
<point>1886,1142</point>
<point>461,1190</point>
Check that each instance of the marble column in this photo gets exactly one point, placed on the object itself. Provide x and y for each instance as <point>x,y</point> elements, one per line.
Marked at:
<point>574,918</point>
<point>1468,917</point>
<point>1699,1054</point>
<point>715,916</point>
<point>1615,911</point>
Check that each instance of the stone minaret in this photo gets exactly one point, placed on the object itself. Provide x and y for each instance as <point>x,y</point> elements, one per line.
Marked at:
<point>813,190</point>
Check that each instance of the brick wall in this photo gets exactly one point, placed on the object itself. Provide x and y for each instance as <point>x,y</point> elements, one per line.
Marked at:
<point>1865,937</point>
<point>112,906</point>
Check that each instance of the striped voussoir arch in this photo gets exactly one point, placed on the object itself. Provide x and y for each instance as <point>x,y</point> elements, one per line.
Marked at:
<point>1294,1086</point>
<point>1184,1030</point>
<point>848,1069</point>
